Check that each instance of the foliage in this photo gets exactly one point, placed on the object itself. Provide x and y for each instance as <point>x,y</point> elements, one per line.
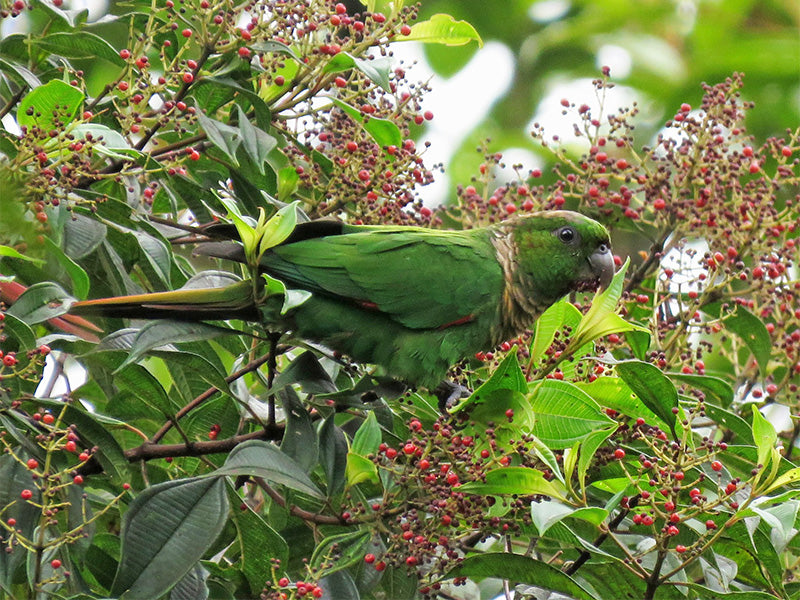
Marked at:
<point>622,448</point>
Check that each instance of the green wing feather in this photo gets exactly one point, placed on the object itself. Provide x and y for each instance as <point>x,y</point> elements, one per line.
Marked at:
<point>420,278</point>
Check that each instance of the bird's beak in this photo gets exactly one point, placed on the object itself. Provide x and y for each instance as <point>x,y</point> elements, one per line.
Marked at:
<point>602,262</point>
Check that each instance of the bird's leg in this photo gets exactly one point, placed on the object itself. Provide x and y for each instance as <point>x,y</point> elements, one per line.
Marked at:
<point>449,393</point>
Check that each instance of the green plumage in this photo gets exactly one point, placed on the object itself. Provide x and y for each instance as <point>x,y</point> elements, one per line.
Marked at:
<point>411,300</point>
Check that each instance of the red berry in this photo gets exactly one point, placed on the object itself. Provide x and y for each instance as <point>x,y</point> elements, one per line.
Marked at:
<point>70,446</point>
<point>340,82</point>
<point>188,78</point>
<point>659,204</point>
<point>352,146</point>
<point>123,86</point>
<point>405,30</point>
<point>672,530</point>
<point>11,522</point>
<point>758,273</point>
<point>710,524</point>
<point>622,164</point>
<point>786,151</point>
<point>511,208</point>
<point>187,33</point>
<point>192,64</point>
<point>125,54</point>
<point>619,453</point>
<point>669,506</point>
<point>363,175</point>
<point>716,465</point>
<point>601,157</point>
<point>244,52</point>
<point>48,419</point>
<point>369,558</point>
<point>747,151</point>
<point>452,479</point>
<point>194,155</point>
<point>754,167</point>
<point>674,518</point>
<point>411,561</point>
<point>424,464</point>
<point>379,17</point>
<point>32,463</point>
<point>380,566</point>
<point>78,480</point>
<point>341,9</point>
<point>685,107</point>
<point>680,548</point>
<point>280,80</point>
<point>55,563</point>
<point>10,359</point>
<point>428,115</point>
<point>409,448</point>
<point>647,520</point>
<point>391,453</point>
<point>26,494</point>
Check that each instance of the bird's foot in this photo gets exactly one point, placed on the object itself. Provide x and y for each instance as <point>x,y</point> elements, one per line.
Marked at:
<point>449,393</point>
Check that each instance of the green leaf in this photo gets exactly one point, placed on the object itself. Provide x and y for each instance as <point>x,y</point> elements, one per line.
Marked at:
<point>50,105</point>
<point>257,142</point>
<point>565,414</point>
<point>753,333</point>
<point>333,455</point>
<point>506,481</point>
<point>78,44</point>
<point>300,439</point>
<point>368,437</point>
<point>384,132</point>
<point>601,318</point>
<point>714,388</point>
<point>507,376</point>
<point>547,514</point>
<point>40,302</point>
<point>11,253</point>
<point>442,29</point>
<point>376,70</point>
<point>288,180</point>
<point>261,459</point>
<point>165,532</point>
<point>192,586</point>
<point>160,333</point>
<point>17,329</point>
<point>551,321</point>
<point>764,436</point>
<point>93,429</point>
<point>791,476</point>
<point>517,568</point>
<point>278,228</point>
<point>80,280</point>
<point>223,136</point>
<point>360,468</point>
<point>587,451</point>
<point>652,387</point>
<point>258,545</point>
<point>139,382</point>
<point>340,551</point>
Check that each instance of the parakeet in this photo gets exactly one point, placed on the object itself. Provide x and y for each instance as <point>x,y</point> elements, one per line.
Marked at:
<point>412,300</point>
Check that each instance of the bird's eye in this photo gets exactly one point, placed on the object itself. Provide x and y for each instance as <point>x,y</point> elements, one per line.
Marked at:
<point>566,234</point>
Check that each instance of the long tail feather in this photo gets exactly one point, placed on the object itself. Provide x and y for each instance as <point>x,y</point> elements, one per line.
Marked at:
<point>230,302</point>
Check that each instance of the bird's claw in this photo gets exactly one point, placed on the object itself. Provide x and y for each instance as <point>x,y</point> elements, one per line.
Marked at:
<point>449,393</point>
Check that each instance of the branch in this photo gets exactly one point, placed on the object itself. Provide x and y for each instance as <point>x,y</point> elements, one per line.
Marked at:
<point>296,510</point>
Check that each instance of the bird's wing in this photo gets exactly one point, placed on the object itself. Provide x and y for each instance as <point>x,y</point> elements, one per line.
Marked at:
<point>421,278</point>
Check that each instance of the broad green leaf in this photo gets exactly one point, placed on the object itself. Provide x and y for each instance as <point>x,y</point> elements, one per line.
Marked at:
<point>340,551</point>
<point>278,227</point>
<point>288,71</point>
<point>107,141</point>
<point>753,333</point>
<point>11,253</point>
<point>19,330</point>
<point>565,414</point>
<point>340,585</point>
<point>601,318</point>
<point>384,132</point>
<point>139,382</point>
<point>764,436</point>
<point>360,468</point>
<point>288,180</point>
<point>652,387</point>
<point>376,70</point>
<point>40,302</point>
<point>368,437</point>
<point>160,333</point>
<point>262,459</point>
<point>587,451</point>
<point>731,421</point>
<point>223,136</point>
<point>517,568</point>
<point>333,455</point>
<point>548,324</point>
<point>93,429</point>
<point>192,586</point>
<point>507,376</point>
<point>80,280</point>
<point>442,29</point>
<point>613,392</point>
<point>166,530</point>
<point>78,44</point>
<point>300,439</point>
<point>50,105</point>
<point>713,387</point>
<point>546,514</point>
<point>522,481</point>
<point>257,142</point>
<point>257,545</point>
<point>791,476</point>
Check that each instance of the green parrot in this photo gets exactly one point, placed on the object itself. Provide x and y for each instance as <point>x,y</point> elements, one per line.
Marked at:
<point>412,300</point>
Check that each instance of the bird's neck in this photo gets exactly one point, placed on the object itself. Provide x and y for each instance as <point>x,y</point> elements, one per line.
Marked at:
<point>520,304</point>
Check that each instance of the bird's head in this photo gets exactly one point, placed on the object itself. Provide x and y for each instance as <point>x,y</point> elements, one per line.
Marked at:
<point>562,251</point>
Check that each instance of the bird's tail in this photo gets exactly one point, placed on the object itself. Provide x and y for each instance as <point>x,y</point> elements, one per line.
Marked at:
<point>196,304</point>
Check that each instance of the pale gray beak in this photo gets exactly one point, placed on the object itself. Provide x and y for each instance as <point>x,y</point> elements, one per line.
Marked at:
<point>602,262</point>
